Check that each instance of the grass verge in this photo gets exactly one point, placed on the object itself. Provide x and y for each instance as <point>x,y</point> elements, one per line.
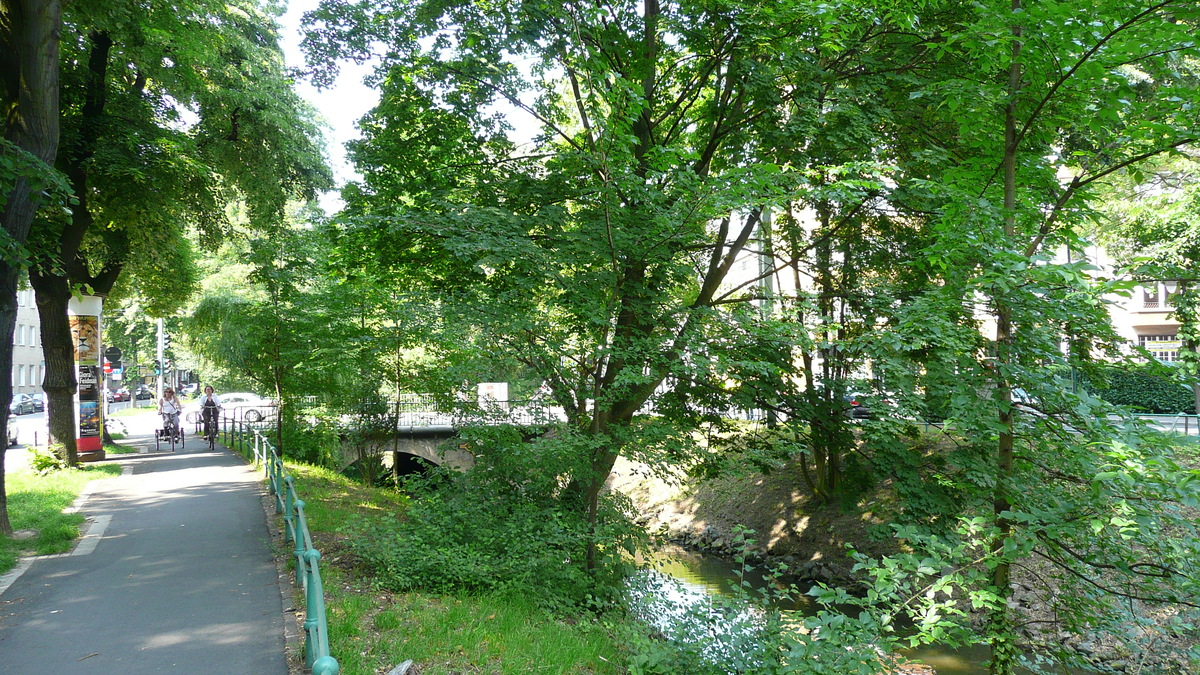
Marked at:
<point>134,411</point>
<point>117,448</point>
<point>372,630</point>
<point>36,502</point>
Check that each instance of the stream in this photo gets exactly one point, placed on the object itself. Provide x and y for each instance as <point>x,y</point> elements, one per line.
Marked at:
<point>699,572</point>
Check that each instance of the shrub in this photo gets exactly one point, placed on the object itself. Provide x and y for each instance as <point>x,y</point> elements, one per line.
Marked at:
<point>502,526</point>
<point>1144,391</point>
<point>311,438</point>
<point>462,538</point>
<point>48,460</point>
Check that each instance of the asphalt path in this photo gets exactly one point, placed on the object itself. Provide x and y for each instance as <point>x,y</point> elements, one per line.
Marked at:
<point>174,574</point>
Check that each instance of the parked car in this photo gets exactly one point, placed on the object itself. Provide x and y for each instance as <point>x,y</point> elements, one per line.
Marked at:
<point>143,392</point>
<point>23,404</point>
<point>236,405</point>
<point>862,406</point>
<point>189,389</point>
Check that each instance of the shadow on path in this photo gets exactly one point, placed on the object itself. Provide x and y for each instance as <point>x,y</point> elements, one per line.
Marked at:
<point>181,580</point>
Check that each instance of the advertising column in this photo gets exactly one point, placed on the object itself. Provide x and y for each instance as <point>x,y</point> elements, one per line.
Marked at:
<point>84,315</point>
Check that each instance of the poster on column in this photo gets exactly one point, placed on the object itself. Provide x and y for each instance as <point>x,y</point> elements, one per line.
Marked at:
<point>89,402</point>
<point>84,319</point>
<point>85,332</point>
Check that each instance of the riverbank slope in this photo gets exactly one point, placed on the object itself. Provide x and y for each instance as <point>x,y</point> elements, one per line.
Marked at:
<point>788,526</point>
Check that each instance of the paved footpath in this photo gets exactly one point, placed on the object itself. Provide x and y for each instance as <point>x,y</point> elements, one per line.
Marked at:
<point>174,575</point>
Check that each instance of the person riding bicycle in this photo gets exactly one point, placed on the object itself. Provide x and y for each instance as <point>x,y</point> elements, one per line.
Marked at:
<point>210,406</point>
<point>169,407</point>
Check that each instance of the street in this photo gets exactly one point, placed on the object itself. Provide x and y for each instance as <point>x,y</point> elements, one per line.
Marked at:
<point>31,427</point>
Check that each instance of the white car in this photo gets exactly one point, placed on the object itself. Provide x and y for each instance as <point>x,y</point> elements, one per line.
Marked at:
<point>238,406</point>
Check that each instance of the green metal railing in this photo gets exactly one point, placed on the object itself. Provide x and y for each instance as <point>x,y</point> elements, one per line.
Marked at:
<point>308,574</point>
<point>1187,425</point>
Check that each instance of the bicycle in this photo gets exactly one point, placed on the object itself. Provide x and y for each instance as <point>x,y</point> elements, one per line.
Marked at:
<point>171,432</point>
<point>209,416</point>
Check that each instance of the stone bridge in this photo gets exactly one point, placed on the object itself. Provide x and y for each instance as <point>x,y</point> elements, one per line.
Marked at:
<point>425,429</point>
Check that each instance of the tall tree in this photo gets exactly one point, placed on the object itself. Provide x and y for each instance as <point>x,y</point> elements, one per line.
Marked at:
<point>170,114</point>
<point>29,70</point>
<point>1061,99</point>
<point>597,259</point>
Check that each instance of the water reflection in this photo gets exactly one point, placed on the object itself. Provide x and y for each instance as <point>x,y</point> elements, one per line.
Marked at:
<point>717,576</point>
<point>698,573</point>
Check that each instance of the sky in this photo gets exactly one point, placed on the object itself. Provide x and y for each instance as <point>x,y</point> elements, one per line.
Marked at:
<point>340,106</point>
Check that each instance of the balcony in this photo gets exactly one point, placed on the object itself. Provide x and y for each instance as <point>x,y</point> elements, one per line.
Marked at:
<point>1156,298</point>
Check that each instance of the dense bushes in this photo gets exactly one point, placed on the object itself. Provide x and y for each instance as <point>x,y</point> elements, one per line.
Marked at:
<point>502,526</point>
<point>1143,391</point>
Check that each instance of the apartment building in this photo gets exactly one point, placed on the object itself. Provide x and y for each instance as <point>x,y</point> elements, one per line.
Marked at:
<point>1145,319</point>
<point>29,366</point>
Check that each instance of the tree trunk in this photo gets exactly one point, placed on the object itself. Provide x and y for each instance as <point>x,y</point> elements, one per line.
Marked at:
<point>29,90</point>
<point>8,319</point>
<point>1000,620</point>
<point>58,347</point>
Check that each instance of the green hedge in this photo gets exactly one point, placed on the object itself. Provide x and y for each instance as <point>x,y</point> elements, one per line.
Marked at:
<point>1144,392</point>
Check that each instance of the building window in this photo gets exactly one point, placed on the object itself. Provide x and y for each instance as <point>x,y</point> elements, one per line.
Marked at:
<point>1162,347</point>
<point>1159,296</point>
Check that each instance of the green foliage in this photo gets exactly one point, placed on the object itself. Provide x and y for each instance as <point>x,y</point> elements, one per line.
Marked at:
<point>1096,557</point>
<point>1144,391</point>
<point>312,437</point>
<point>46,460</point>
<point>371,629</point>
<point>498,527</point>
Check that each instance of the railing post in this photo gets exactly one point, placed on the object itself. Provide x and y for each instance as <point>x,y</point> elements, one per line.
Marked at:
<point>289,512</point>
<point>315,625</point>
<point>278,481</point>
<point>312,620</point>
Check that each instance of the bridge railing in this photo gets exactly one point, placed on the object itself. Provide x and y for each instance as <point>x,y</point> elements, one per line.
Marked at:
<point>425,411</point>
<point>308,574</point>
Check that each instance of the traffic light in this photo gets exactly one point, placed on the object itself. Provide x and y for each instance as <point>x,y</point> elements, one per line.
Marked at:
<point>157,367</point>
<point>166,340</point>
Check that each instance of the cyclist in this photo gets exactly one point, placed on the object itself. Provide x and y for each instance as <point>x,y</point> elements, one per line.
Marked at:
<point>169,407</point>
<point>210,406</point>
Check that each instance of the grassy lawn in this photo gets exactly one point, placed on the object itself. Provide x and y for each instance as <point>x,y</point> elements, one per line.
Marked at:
<point>36,502</point>
<point>135,412</point>
<point>372,630</point>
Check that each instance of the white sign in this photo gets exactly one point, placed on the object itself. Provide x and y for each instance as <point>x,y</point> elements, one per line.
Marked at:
<point>493,391</point>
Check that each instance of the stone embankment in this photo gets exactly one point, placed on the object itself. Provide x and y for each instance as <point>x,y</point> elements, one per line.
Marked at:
<point>702,515</point>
